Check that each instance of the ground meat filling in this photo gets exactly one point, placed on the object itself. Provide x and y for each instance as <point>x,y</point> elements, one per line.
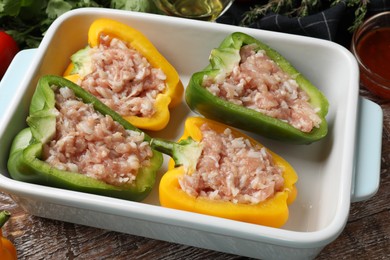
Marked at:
<point>123,79</point>
<point>90,143</point>
<point>232,169</point>
<point>259,83</point>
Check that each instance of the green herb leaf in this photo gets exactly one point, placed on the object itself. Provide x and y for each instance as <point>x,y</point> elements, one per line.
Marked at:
<point>57,7</point>
<point>10,7</point>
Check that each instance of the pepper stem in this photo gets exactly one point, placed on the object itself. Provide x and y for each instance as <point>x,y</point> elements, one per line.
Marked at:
<point>185,153</point>
<point>4,216</point>
<point>163,146</point>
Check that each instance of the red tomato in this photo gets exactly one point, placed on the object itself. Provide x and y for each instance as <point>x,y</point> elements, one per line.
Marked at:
<point>8,49</point>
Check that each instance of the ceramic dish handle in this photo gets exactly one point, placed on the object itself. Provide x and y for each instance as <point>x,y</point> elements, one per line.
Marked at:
<point>368,151</point>
<point>12,77</point>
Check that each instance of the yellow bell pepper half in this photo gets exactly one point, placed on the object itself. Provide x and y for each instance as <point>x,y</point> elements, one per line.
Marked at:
<point>273,212</point>
<point>7,248</point>
<point>171,97</point>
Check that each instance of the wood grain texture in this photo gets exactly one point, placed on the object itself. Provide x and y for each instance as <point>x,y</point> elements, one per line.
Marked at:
<point>366,235</point>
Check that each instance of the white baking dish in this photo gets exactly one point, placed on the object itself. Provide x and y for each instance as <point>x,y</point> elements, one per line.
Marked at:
<point>331,173</point>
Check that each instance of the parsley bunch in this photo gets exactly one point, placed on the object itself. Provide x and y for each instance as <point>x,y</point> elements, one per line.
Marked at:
<point>28,20</point>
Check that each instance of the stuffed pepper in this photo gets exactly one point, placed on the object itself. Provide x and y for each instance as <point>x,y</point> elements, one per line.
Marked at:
<point>251,86</point>
<point>74,141</point>
<point>126,72</point>
<point>234,177</point>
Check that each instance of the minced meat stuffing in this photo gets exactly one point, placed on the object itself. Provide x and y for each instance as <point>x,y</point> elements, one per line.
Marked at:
<point>232,169</point>
<point>90,143</point>
<point>258,83</point>
<point>123,79</point>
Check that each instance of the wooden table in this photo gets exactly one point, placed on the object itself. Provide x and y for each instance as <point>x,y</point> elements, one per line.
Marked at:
<point>366,236</point>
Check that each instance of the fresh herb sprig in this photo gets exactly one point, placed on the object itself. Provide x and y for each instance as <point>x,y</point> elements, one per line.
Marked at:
<point>360,11</point>
<point>302,8</point>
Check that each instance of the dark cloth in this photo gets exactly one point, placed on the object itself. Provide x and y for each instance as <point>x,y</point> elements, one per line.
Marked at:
<point>331,23</point>
<point>321,25</point>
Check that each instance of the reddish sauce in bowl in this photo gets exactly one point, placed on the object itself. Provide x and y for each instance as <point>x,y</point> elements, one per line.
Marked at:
<point>371,46</point>
<point>374,51</point>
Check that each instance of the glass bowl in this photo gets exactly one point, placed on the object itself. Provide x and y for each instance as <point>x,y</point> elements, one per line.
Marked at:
<point>371,47</point>
<point>207,10</point>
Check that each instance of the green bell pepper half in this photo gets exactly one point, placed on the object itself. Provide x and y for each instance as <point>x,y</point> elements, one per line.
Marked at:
<point>222,60</point>
<point>25,162</point>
